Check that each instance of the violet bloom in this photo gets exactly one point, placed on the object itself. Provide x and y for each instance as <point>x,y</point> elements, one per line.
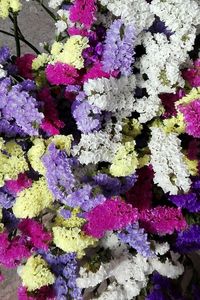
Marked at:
<point>60,178</point>
<point>4,55</point>
<point>87,116</point>
<point>136,238</point>
<point>6,199</point>
<point>119,48</point>
<point>190,201</point>
<point>159,26</point>
<point>65,269</point>
<point>188,240</point>
<point>18,107</point>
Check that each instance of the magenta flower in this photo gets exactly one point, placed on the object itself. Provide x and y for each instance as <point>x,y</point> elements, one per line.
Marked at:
<point>15,186</point>
<point>96,72</point>
<point>83,11</point>
<point>46,292</point>
<point>60,73</point>
<point>34,233</point>
<point>12,252</point>
<point>192,75</point>
<point>113,214</point>
<point>162,220</point>
<point>191,114</point>
<point>24,65</point>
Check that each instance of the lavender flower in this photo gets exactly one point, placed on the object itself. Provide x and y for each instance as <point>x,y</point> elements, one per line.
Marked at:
<point>190,201</point>
<point>119,48</point>
<point>188,240</point>
<point>159,26</point>
<point>59,174</point>
<point>6,199</point>
<point>87,116</point>
<point>114,186</point>
<point>18,107</point>
<point>4,54</point>
<point>137,239</point>
<point>65,269</point>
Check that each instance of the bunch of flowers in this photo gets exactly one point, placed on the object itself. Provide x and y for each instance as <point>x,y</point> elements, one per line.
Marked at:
<point>99,151</point>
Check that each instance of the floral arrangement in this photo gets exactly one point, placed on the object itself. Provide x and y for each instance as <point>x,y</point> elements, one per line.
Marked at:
<point>99,151</point>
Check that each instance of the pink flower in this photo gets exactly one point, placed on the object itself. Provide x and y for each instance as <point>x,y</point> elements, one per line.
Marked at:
<point>12,252</point>
<point>113,214</point>
<point>34,233</point>
<point>168,101</point>
<point>24,65</point>
<point>60,73</point>
<point>162,220</point>
<point>140,195</point>
<point>45,293</point>
<point>96,72</point>
<point>1,277</point>
<point>193,75</point>
<point>83,11</point>
<point>191,114</point>
<point>51,123</point>
<point>15,186</point>
<point>77,31</point>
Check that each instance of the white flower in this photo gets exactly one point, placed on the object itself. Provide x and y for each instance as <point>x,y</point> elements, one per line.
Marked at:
<point>3,73</point>
<point>60,26</point>
<point>171,173</point>
<point>55,3</point>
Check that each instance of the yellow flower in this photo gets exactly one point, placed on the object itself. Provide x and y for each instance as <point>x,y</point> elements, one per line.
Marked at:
<point>30,202</point>
<point>40,61</point>
<point>12,161</point>
<point>35,153</point>
<point>193,95</point>
<point>71,53</point>
<point>1,224</point>
<point>125,160</point>
<point>175,124</point>
<point>35,274</point>
<point>6,5</point>
<point>72,240</point>
<point>131,129</point>
<point>192,165</point>
<point>73,221</point>
<point>62,142</point>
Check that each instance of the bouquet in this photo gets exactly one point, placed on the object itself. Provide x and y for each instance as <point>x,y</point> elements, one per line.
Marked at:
<point>100,152</point>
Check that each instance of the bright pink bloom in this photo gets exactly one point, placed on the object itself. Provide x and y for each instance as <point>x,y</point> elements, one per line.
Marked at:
<point>191,114</point>
<point>60,73</point>
<point>168,101</point>
<point>45,293</point>
<point>140,195</point>
<point>83,11</point>
<point>162,220</point>
<point>95,72</point>
<point>192,75</point>
<point>77,31</point>
<point>24,65</point>
<point>113,214</point>
<point>34,233</point>
<point>15,186</point>
<point>51,124</point>
<point>12,252</point>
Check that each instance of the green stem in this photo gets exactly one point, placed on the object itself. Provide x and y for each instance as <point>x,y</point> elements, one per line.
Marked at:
<point>17,40</point>
<point>23,40</point>
<point>47,10</point>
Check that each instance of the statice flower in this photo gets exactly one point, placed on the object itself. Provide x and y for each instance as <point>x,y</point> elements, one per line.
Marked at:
<point>15,186</point>
<point>159,26</point>
<point>87,116</point>
<point>192,75</point>
<point>113,214</point>
<point>60,73</point>
<point>162,220</point>
<point>65,269</point>
<point>95,72</point>
<point>119,48</point>
<point>190,201</point>
<point>6,199</point>
<point>188,240</point>
<point>44,293</point>
<point>83,11</point>
<point>136,238</point>
<point>19,107</point>
<point>34,233</point>
<point>9,129</point>
<point>4,54</point>
<point>114,186</point>
<point>12,252</point>
<point>24,65</point>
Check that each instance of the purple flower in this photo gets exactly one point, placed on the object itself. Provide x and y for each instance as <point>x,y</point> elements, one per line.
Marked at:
<point>6,200</point>
<point>136,238</point>
<point>190,201</point>
<point>159,26</point>
<point>4,54</point>
<point>119,48</point>
<point>188,240</point>
<point>87,116</point>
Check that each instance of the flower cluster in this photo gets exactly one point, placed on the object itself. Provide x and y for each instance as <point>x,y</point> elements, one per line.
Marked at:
<point>99,151</point>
